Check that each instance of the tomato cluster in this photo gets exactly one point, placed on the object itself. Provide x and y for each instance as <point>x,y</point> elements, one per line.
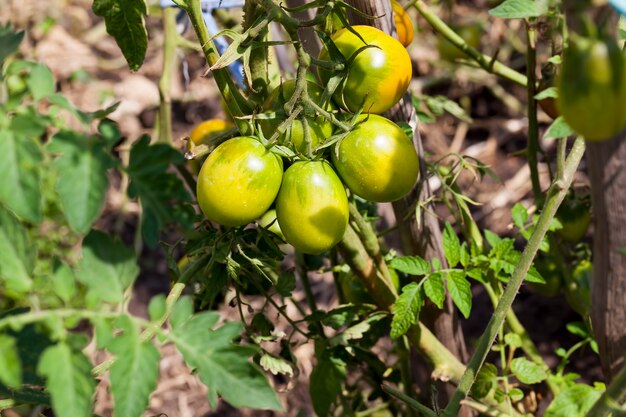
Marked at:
<point>306,204</point>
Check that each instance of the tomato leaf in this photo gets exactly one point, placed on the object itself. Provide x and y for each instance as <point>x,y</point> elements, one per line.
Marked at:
<point>16,255</point>
<point>573,401</point>
<point>485,380</point>
<point>519,215</point>
<point>82,180</point>
<point>20,182</point>
<point>460,291</point>
<point>9,41</point>
<point>276,365</point>
<point>162,194</point>
<point>520,9</point>
<point>124,21</point>
<point>451,246</point>
<point>63,282</point>
<point>10,364</point>
<point>107,266</point>
<point>40,82</point>
<point>558,129</point>
<point>412,265</point>
<point>223,366</point>
<point>406,309</point>
<point>325,382</point>
<point>434,289</point>
<point>69,380</point>
<point>527,372</point>
<point>135,370</point>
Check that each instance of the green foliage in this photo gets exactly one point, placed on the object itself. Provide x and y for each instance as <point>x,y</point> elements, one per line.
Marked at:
<point>223,366</point>
<point>107,267</point>
<point>162,194</point>
<point>406,309</point>
<point>520,9</point>
<point>135,371</point>
<point>9,41</point>
<point>68,378</point>
<point>326,382</point>
<point>125,22</point>
<point>527,372</point>
<point>574,401</point>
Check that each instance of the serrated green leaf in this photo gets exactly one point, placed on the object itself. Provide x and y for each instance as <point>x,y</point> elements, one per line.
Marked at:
<point>124,21</point>
<point>434,289</point>
<point>182,311</point>
<point>107,266</point>
<point>63,282</point>
<point>16,256</point>
<point>276,365</point>
<point>162,194</point>
<point>558,129</point>
<point>577,328</point>
<point>460,291</point>
<point>406,309</point>
<point>485,380</point>
<point>519,215</point>
<point>10,364</point>
<point>451,246</point>
<point>69,380</point>
<point>20,182</point>
<point>527,372</point>
<point>40,82</point>
<point>412,265</point>
<point>135,371</point>
<point>492,238</point>
<point>355,332</point>
<point>286,283</point>
<point>9,41</point>
<point>574,401</point>
<point>82,180</point>
<point>104,331</point>
<point>325,383</point>
<point>223,366</point>
<point>520,9</point>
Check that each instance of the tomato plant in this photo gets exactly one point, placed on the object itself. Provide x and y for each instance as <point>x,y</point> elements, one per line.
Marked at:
<point>379,69</point>
<point>470,32</point>
<point>312,206</point>
<point>203,134</point>
<point>377,160</point>
<point>319,128</point>
<point>592,88</point>
<point>239,181</point>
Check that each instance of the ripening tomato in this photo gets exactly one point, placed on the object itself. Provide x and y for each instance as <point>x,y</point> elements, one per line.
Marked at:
<point>377,76</point>
<point>377,160</point>
<point>592,88</point>
<point>319,127</point>
<point>578,287</point>
<point>312,207</point>
<point>404,27</point>
<point>239,181</point>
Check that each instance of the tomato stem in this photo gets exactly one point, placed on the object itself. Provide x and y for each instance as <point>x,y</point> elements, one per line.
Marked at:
<point>556,194</point>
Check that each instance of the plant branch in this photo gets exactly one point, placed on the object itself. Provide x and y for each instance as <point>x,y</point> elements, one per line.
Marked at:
<point>532,148</point>
<point>170,41</point>
<point>486,62</point>
<point>555,196</point>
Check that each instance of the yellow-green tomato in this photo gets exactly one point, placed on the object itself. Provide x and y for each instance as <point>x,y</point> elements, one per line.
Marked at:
<point>377,76</point>
<point>377,160</point>
<point>239,181</point>
<point>270,222</point>
<point>318,127</point>
<point>592,88</point>
<point>312,207</point>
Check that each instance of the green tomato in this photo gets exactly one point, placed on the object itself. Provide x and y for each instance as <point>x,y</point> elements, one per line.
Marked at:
<point>318,127</point>
<point>574,214</point>
<point>377,160</point>
<point>312,207</point>
<point>592,88</point>
<point>578,288</point>
<point>550,271</point>
<point>239,181</point>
